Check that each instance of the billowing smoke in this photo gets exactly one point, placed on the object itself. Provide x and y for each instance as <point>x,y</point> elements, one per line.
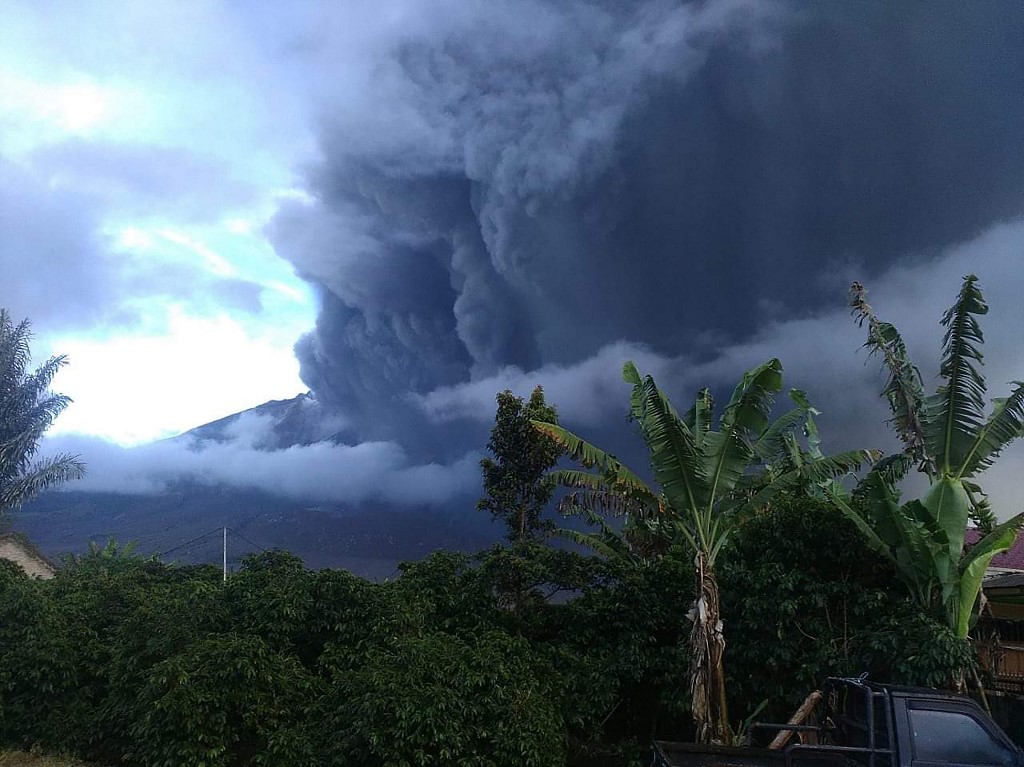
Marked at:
<point>514,185</point>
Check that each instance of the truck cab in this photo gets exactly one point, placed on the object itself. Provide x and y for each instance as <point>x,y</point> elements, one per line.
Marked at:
<point>917,727</point>
<point>865,724</point>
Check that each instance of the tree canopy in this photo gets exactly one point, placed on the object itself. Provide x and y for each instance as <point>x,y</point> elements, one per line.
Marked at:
<point>516,482</point>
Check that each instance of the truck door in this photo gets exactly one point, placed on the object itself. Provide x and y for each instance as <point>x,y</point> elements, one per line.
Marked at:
<point>951,734</point>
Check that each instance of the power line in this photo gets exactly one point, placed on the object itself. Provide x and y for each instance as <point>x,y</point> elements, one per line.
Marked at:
<point>190,542</point>
<point>251,543</point>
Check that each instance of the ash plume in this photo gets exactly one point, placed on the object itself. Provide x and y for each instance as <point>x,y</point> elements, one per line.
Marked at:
<point>514,185</point>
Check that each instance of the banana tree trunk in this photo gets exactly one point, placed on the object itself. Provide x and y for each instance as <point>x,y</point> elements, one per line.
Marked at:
<point>707,672</point>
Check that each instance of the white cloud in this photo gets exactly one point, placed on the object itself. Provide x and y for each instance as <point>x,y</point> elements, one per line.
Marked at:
<point>138,387</point>
<point>371,471</point>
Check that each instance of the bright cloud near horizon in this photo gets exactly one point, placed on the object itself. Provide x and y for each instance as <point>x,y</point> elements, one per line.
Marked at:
<point>148,157</point>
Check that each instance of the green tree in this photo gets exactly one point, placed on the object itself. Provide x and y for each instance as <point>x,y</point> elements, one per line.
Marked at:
<point>706,486</point>
<point>951,440</point>
<point>27,409</point>
<point>515,480</point>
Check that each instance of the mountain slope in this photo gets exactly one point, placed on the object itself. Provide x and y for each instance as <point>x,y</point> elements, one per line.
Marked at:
<point>369,539</point>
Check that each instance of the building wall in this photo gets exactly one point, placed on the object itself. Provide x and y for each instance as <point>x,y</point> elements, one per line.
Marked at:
<point>13,550</point>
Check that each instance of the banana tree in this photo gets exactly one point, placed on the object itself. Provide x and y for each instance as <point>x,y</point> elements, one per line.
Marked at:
<point>705,485</point>
<point>949,438</point>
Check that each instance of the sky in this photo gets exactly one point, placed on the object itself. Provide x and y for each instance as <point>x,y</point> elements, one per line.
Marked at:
<point>405,206</point>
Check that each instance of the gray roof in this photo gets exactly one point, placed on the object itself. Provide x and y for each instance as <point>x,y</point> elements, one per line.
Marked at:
<point>1012,580</point>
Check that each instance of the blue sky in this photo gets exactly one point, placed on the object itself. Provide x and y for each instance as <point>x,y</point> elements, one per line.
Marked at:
<point>141,155</point>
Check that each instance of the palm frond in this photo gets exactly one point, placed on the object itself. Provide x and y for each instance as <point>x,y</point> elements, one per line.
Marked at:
<point>43,475</point>
<point>610,548</point>
<point>955,413</point>
<point>14,352</point>
<point>622,483</point>
<point>675,458</point>
<point>587,454</point>
<point>903,388</point>
<point>608,502</point>
<point>815,476</point>
<point>893,468</point>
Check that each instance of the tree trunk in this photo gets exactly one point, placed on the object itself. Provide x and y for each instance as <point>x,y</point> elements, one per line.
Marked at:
<point>707,672</point>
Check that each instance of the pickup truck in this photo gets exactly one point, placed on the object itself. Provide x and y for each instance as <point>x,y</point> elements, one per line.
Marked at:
<point>864,724</point>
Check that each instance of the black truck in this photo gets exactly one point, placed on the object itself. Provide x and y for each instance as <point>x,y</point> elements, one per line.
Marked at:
<point>864,724</point>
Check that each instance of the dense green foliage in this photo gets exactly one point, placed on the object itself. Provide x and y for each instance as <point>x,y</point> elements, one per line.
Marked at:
<point>807,600</point>
<point>27,409</point>
<point>126,660</point>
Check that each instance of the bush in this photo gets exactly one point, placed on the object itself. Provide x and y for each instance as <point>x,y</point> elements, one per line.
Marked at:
<point>225,701</point>
<point>805,598</point>
<point>438,699</point>
<point>38,669</point>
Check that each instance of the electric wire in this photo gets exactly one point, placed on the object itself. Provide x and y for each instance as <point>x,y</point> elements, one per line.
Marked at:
<point>191,541</point>
<point>251,543</point>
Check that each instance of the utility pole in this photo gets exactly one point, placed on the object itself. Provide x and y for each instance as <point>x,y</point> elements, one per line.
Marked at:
<point>225,555</point>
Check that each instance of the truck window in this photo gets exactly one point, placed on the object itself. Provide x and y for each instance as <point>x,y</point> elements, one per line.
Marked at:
<point>953,737</point>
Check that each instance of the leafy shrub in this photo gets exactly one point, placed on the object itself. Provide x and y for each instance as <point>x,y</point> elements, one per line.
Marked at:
<point>38,671</point>
<point>224,701</point>
<point>271,597</point>
<point>438,699</point>
<point>808,599</point>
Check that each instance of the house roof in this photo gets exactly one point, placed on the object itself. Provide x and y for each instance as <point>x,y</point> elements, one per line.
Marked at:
<point>1007,580</point>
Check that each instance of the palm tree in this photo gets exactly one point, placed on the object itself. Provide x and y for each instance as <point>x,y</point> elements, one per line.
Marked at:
<point>705,488</point>
<point>27,409</point>
<point>949,438</point>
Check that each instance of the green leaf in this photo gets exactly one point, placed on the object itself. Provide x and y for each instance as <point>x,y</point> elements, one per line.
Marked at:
<point>948,505</point>
<point>730,450</point>
<point>675,458</point>
<point>816,473</point>
<point>974,565</point>
<point>903,389</point>
<point>877,544</point>
<point>590,456</point>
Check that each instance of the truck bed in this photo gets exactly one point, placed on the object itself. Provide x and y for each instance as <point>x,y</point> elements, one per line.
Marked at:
<point>673,754</point>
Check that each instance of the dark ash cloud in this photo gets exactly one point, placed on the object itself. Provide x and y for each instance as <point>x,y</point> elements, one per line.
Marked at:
<point>531,183</point>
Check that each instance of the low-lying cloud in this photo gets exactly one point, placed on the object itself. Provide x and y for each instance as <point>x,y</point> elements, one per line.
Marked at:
<point>320,472</point>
